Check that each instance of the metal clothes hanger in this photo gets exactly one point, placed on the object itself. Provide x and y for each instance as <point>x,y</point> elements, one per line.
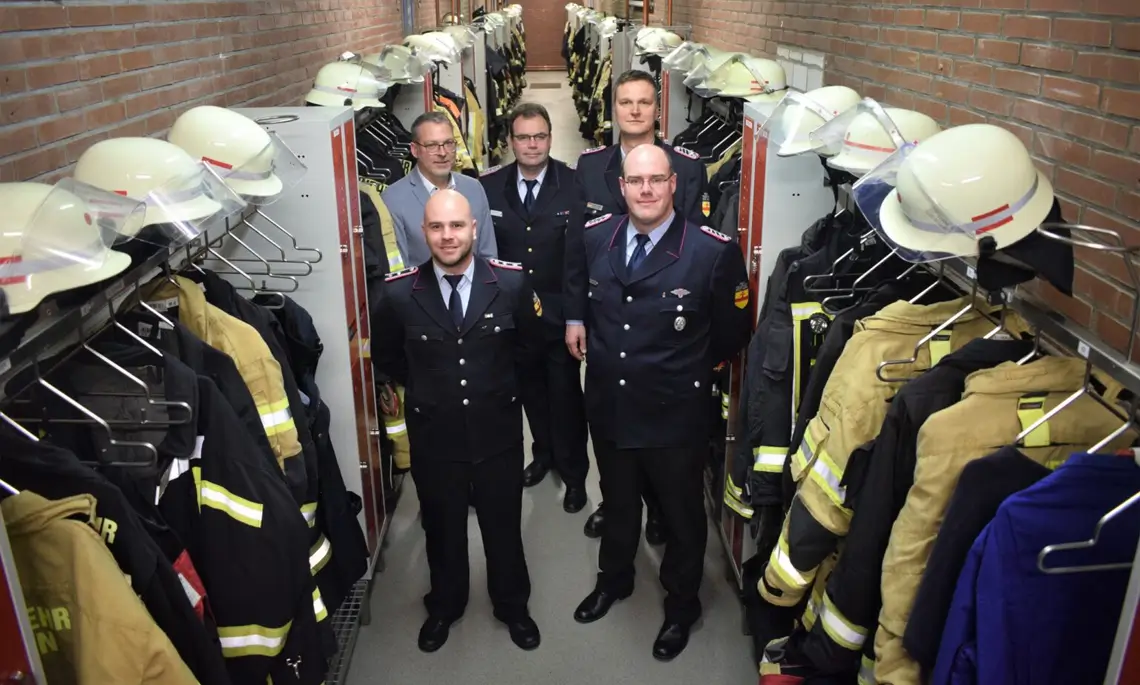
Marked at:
<point>1043,555</point>
<point>97,420</point>
<point>970,306</point>
<point>1080,392</point>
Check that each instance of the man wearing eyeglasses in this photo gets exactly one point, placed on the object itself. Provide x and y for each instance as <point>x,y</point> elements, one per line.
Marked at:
<point>433,146</point>
<point>534,205</point>
<point>599,169</point>
<point>663,301</point>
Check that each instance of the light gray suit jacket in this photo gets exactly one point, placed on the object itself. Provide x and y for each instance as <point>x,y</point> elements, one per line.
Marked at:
<point>406,199</point>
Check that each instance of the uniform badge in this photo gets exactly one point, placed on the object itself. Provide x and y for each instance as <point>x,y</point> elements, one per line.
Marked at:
<point>537,304</point>
<point>395,276</point>
<point>819,323</point>
<point>594,206</point>
<point>679,324</point>
<point>680,292</point>
<point>593,150</point>
<point>594,222</point>
<point>686,152</point>
<point>491,170</point>
<point>716,234</point>
<point>565,212</point>
<point>512,266</point>
<point>496,213</point>
<point>706,206</point>
<point>740,295</point>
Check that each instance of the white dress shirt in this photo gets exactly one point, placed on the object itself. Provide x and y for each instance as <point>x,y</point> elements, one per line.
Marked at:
<point>537,187</point>
<point>431,187</point>
<point>654,236</point>
<point>464,284</point>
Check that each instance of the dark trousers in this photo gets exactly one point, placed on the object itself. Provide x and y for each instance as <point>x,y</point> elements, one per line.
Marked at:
<point>551,388</point>
<point>675,477</point>
<point>445,489</point>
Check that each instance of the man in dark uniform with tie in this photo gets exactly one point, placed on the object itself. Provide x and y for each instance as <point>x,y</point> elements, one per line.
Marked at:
<point>534,203</point>
<point>451,338</point>
<point>599,169</point>
<point>664,301</point>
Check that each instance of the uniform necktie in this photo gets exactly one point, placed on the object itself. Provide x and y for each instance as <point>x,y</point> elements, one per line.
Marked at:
<point>455,302</point>
<point>639,252</point>
<point>528,199</point>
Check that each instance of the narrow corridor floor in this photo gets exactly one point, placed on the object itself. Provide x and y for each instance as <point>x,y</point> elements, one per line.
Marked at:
<point>563,562</point>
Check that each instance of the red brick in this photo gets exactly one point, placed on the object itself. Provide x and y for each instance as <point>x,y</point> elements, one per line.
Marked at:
<point>1107,296</point>
<point>48,75</point>
<point>15,140</point>
<point>1124,8</point>
<point>961,117</point>
<point>1062,149</point>
<point>1082,31</point>
<point>942,19</point>
<point>999,50</point>
<point>137,59</point>
<point>1095,128</point>
<point>935,109</point>
<point>132,14</point>
<point>1071,91</point>
<point>1026,26</point>
<point>42,17</point>
<point>1125,103</point>
<point>1018,81</point>
<point>955,45</point>
<point>1047,57</point>
<point>907,59</point>
<point>91,16</point>
<point>950,91</point>
<point>98,66</point>
<point>974,72</point>
<point>1128,204</point>
<point>1040,113</point>
<point>1056,5</point>
<point>104,115</point>
<point>61,127</point>
<point>1108,67</point>
<point>978,22</point>
<point>120,85</point>
<point>81,96</point>
<point>1085,187</point>
<point>923,40</point>
<point>1126,35</point>
<point>1117,168</point>
<point>1073,308</point>
<point>909,17</point>
<point>991,101</point>
<point>38,163</point>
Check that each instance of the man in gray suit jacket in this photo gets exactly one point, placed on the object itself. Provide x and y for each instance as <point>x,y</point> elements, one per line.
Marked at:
<point>434,149</point>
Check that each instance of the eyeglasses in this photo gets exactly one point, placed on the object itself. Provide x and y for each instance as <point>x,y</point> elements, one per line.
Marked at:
<point>536,137</point>
<point>654,181</point>
<point>447,145</point>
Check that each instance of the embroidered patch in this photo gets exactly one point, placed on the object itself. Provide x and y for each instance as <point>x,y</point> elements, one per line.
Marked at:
<point>397,275</point>
<point>594,222</point>
<point>491,170</point>
<point>686,152</point>
<point>512,266</point>
<point>716,234</point>
<point>537,304</point>
<point>706,206</point>
<point>740,295</point>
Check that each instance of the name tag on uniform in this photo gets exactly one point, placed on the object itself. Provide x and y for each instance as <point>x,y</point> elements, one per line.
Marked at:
<point>591,205</point>
<point>593,282</point>
<point>495,212</point>
<point>562,213</point>
<point>488,315</point>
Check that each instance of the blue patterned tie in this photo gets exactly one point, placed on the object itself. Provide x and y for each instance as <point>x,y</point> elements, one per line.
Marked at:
<point>455,302</point>
<point>528,199</point>
<point>639,252</point>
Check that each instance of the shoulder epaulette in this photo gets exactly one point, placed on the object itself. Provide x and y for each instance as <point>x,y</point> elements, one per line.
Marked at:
<point>397,275</point>
<point>492,170</point>
<point>593,150</point>
<point>716,234</point>
<point>512,266</point>
<point>594,222</point>
<point>686,152</point>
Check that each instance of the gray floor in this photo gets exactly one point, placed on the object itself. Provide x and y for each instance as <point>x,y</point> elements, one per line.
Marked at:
<point>562,563</point>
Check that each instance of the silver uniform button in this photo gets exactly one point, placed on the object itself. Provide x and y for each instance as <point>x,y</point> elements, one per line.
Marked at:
<point>463,382</point>
<point>530,249</point>
<point>461,341</point>
<point>462,362</point>
<point>423,337</point>
<point>697,384</point>
<point>680,308</point>
<point>530,271</point>
<point>466,402</point>
<point>623,355</point>
<point>626,327</point>
<point>629,298</point>
<point>497,329</point>
<point>621,382</point>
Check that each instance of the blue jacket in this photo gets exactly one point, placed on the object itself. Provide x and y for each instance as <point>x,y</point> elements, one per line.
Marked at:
<point>1010,624</point>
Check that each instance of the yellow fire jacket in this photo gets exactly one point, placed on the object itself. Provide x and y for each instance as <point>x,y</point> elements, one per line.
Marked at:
<point>89,626</point>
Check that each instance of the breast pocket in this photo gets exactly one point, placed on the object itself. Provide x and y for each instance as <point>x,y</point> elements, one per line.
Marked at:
<point>496,325</point>
<point>425,347</point>
<point>678,316</point>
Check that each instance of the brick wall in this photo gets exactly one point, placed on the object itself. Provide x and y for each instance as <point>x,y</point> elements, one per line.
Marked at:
<point>1064,75</point>
<point>74,73</point>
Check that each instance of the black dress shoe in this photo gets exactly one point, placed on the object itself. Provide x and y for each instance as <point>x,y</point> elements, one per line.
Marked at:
<point>671,641</point>
<point>533,474</point>
<point>654,529</point>
<point>524,633</point>
<point>596,523</point>
<point>434,633</point>
<point>596,605</point>
<point>574,500</point>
